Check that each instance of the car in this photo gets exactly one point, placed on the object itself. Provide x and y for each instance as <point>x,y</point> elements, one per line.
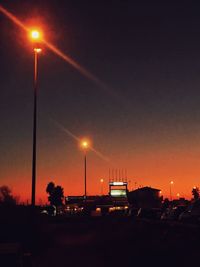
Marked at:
<point>149,213</point>
<point>48,210</point>
<point>173,213</point>
<point>192,213</point>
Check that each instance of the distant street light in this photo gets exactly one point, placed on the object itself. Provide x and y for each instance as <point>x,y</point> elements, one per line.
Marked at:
<point>178,195</point>
<point>35,37</point>
<point>85,145</point>
<point>171,183</point>
<point>101,181</point>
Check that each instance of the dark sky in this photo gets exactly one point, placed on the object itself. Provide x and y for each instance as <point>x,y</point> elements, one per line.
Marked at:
<point>147,118</point>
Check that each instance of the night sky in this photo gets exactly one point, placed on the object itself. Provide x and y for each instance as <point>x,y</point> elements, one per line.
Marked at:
<point>145,119</point>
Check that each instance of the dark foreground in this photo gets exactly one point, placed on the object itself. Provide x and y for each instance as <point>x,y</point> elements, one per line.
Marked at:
<point>104,241</point>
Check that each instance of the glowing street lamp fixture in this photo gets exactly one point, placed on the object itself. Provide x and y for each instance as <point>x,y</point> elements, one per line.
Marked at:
<point>35,34</point>
<point>35,37</point>
<point>85,145</point>
<point>101,181</point>
<point>38,50</point>
<point>171,183</point>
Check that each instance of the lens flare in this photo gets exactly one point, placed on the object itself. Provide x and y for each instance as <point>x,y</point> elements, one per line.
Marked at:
<point>80,141</point>
<point>35,34</point>
<point>14,19</point>
<point>85,144</point>
<point>60,54</point>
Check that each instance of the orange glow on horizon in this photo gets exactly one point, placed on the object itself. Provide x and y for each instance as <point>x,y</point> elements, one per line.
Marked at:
<point>70,177</point>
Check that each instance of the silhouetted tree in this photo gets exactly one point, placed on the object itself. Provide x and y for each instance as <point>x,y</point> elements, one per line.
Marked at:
<point>195,193</point>
<point>56,194</point>
<point>50,188</point>
<point>6,197</point>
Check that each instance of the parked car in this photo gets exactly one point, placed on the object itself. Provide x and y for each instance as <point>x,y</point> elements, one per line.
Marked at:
<point>148,213</point>
<point>165,214</point>
<point>49,210</point>
<point>192,213</point>
<point>173,213</point>
<point>133,212</point>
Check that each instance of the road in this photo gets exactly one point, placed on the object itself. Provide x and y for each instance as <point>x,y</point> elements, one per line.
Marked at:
<point>105,241</point>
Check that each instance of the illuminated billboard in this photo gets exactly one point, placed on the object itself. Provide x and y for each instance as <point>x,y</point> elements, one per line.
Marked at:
<point>118,192</point>
<point>118,183</point>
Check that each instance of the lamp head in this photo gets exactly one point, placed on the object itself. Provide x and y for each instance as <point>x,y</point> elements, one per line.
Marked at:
<point>85,144</point>
<point>35,35</point>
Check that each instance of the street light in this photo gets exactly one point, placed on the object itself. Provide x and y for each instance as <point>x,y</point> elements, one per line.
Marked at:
<point>85,146</point>
<point>101,181</point>
<point>171,183</point>
<point>35,34</point>
<point>35,37</point>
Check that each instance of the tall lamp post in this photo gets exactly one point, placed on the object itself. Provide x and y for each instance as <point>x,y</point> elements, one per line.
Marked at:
<point>35,36</point>
<point>101,181</point>
<point>170,188</point>
<point>85,147</point>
